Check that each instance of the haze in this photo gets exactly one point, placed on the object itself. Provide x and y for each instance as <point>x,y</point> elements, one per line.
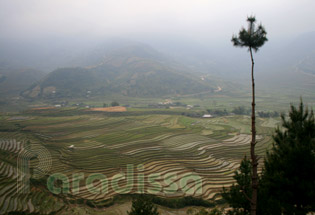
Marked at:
<point>199,20</point>
<point>46,35</point>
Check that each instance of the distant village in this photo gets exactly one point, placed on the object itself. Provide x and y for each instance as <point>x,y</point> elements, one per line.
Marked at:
<point>193,110</point>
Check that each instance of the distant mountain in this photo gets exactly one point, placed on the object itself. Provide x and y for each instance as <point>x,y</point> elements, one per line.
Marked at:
<point>131,70</point>
<point>49,53</point>
<point>298,53</point>
<point>292,67</point>
<point>303,51</point>
<point>13,81</point>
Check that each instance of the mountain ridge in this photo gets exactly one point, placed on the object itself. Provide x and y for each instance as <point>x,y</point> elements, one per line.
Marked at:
<point>134,70</point>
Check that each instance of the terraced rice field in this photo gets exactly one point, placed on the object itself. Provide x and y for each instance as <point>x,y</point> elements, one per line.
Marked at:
<point>164,155</point>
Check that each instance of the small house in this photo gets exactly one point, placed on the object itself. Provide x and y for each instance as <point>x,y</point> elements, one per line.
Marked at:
<point>207,116</point>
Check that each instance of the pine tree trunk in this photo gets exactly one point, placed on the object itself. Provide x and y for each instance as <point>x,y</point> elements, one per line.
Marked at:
<point>252,146</point>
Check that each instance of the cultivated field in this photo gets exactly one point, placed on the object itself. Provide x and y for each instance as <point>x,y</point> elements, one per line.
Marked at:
<point>165,155</point>
<point>110,109</point>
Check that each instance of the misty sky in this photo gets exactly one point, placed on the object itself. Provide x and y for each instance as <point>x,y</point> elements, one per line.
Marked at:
<point>194,19</point>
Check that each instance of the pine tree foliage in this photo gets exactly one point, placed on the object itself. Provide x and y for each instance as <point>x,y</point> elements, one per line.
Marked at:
<point>253,37</point>
<point>239,194</point>
<point>214,211</point>
<point>141,205</point>
<point>289,175</point>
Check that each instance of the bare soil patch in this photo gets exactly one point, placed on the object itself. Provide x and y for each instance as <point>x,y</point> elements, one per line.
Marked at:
<point>110,109</point>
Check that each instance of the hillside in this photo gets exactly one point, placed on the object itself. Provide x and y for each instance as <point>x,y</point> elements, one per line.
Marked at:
<point>305,56</point>
<point>292,68</point>
<point>13,80</point>
<point>134,70</point>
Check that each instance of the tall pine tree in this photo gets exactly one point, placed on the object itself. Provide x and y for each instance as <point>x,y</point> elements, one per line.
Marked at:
<point>253,38</point>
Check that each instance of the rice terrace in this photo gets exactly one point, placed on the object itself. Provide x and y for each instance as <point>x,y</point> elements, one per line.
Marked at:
<point>165,155</point>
